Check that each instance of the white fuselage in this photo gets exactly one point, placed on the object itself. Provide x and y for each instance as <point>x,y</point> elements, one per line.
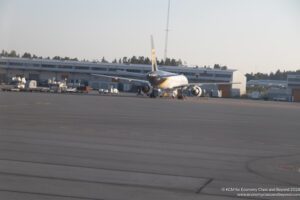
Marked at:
<point>173,82</point>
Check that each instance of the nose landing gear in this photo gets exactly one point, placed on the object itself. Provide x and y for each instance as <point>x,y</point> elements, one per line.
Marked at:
<point>156,93</point>
<point>181,94</point>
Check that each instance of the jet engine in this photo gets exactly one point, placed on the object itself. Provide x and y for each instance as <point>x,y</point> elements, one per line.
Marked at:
<point>147,89</point>
<point>196,91</point>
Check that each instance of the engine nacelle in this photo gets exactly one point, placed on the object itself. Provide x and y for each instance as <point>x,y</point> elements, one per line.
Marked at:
<point>196,91</point>
<point>147,89</point>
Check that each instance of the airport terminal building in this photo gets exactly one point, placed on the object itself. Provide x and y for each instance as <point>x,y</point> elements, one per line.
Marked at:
<point>289,89</point>
<point>80,72</point>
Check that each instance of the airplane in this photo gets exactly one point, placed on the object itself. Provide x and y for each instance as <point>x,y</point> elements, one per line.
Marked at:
<point>156,81</point>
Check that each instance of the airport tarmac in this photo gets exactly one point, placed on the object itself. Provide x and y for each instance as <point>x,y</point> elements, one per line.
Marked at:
<point>59,146</point>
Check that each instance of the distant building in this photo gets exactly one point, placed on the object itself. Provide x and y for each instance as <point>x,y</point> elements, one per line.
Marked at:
<point>290,91</point>
<point>274,93</point>
<point>267,83</point>
<point>293,82</point>
<point>43,69</point>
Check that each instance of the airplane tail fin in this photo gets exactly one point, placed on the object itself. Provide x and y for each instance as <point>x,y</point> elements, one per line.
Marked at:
<point>154,64</point>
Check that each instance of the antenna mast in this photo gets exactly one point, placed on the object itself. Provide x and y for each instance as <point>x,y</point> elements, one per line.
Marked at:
<point>167,31</point>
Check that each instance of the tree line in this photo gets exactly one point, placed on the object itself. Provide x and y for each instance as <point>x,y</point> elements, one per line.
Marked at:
<point>14,54</point>
<point>124,60</point>
<point>278,75</point>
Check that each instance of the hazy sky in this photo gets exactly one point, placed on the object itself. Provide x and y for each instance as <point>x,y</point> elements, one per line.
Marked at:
<point>249,35</point>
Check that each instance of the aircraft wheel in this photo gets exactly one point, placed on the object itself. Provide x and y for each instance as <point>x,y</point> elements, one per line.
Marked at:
<point>152,96</point>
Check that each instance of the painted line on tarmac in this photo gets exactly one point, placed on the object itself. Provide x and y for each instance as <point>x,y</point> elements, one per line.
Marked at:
<point>237,140</point>
<point>26,104</point>
<point>43,103</point>
<point>286,166</point>
<point>289,167</point>
<point>211,139</point>
<point>289,145</point>
<point>259,142</point>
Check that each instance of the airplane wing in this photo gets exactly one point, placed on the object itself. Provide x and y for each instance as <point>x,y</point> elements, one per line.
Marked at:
<point>207,83</point>
<point>131,74</point>
<point>117,78</point>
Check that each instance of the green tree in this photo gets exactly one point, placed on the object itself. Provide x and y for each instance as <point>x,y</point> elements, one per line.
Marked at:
<point>13,53</point>
<point>179,62</point>
<point>173,62</point>
<point>124,60</point>
<point>141,60</point>
<point>217,66</point>
<point>161,62</point>
<point>224,67</point>
<point>103,60</point>
<point>4,53</point>
<point>147,61</point>
<point>74,59</point>
<point>167,61</point>
<point>134,60</point>
<point>26,55</point>
<point>56,58</point>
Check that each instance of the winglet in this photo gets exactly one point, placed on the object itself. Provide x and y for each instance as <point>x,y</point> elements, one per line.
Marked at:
<point>154,64</point>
